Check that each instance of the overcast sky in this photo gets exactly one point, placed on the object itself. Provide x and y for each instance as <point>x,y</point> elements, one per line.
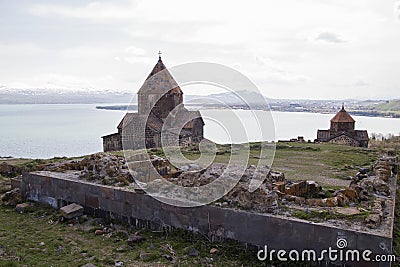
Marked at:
<point>315,49</point>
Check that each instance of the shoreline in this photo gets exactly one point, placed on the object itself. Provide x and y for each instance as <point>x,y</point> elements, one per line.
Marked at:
<point>372,114</point>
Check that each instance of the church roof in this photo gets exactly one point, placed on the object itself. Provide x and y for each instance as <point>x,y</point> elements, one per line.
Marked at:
<point>159,81</point>
<point>342,116</point>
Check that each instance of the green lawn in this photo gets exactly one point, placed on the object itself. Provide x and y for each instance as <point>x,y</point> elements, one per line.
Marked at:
<point>38,239</point>
<point>328,164</point>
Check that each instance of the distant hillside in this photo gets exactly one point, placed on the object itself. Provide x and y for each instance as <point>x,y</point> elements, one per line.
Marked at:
<point>43,96</point>
<point>32,96</point>
<point>113,99</point>
<point>229,98</point>
<point>389,105</point>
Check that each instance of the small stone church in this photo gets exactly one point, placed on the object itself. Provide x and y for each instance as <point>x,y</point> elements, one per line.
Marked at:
<point>160,110</point>
<point>343,131</point>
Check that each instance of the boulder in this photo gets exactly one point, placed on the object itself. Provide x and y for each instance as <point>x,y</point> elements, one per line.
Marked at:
<point>342,200</point>
<point>15,183</point>
<point>374,219</point>
<point>350,193</point>
<point>98,232</point>
<point>71,211</point>
<point>21,208</point>
<point>134,239</point>
<point>280,186</point>
<point>383,168</point>
<point>299,200</point>
<point>193,252</point>
<point>347,211</point>
<point>303,189</point>
<point>296,189</point>
<point>8,170</point>
<point>313,188</point>
<point>332,202</point>
<point>375,184</point>
<point>315,202</point>
<point>12,198</point>
<point>277,176</point>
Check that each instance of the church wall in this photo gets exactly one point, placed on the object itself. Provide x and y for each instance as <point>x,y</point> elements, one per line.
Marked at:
<point>146,102</point>
<point>197,131</point>
<point>135,132</point>
<point>112,142</point>
<point>345,140</point>
<point>323,135</point>
<point>342,126</point>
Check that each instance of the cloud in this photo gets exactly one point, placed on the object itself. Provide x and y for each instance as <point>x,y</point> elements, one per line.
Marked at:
<point>360,83</point>
<point>271,71</point>
<point>93,11</point>
<point>131,54</point>
<point>397,9</point>
<point>25,49</point>
<point>86,51</point>
<point>135,59</point>
<point>329,37</point>
<point>94,37</point>
<point>137,51</point>
<point>61,81</point>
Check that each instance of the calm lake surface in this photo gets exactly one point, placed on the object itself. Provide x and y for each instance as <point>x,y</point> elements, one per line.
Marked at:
<point>45,131</point>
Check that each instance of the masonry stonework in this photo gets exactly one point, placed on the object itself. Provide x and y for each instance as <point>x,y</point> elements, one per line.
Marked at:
<point>141,210</point>
<point>342,131</point>
<point>158,98</point>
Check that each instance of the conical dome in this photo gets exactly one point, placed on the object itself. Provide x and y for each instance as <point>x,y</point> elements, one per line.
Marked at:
<point>342,116</point>
<point>159,81</point>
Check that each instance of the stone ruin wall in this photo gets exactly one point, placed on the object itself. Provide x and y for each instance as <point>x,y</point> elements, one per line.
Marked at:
<point>217,222</point>
<point>141,210</point>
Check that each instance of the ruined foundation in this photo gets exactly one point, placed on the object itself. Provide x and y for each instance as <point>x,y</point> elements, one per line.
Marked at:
<point>218,223</point>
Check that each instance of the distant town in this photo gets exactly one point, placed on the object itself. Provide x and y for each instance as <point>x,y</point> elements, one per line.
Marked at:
<point>108,100</point>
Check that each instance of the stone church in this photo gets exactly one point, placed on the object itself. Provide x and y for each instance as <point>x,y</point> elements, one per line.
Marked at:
<point>160,111</point>
<point>342,131</point>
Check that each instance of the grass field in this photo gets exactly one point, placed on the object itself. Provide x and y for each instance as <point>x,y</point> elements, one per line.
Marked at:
<point>328,164</point>
<point>38,239</point>
<point>390,105</point>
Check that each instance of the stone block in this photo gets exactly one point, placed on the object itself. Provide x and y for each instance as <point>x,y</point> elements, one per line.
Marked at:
<point>108,193</point>
<point>105,204</point>
<point>126,209</point>
<point>46,200</point>
<point>91,201</point>
<point>46,186</point>
<point>117,207</point>
<point>120,195</point>
<point>71,211</point>
<point>100,213</point>
<point>131,198</point>
<point>91,188</point>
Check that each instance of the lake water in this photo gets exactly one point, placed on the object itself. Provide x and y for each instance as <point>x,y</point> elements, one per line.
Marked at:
<point>44,131</point>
